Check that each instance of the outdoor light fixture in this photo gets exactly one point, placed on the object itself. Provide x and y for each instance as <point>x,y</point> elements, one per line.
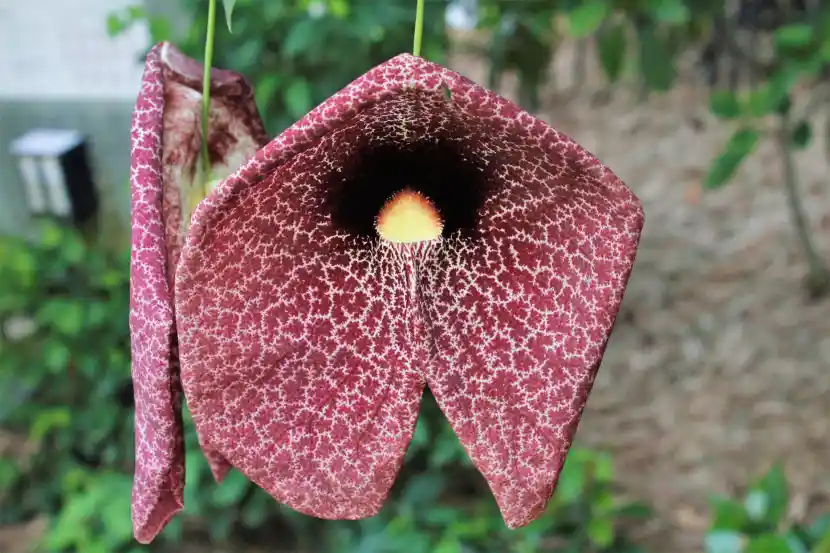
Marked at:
<point>56,175</point>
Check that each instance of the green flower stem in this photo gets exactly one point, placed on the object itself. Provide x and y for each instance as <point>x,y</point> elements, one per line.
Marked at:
<point>211,25</point>
<point>419,28</point>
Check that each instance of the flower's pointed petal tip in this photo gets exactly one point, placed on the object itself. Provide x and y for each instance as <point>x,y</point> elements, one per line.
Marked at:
<point>151,523</point>
<point>523,503</point>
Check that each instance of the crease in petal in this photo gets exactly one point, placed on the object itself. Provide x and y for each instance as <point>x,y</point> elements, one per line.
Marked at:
<point>165,141</point>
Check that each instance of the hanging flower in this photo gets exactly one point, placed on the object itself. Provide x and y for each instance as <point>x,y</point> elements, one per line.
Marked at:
<point>413,230</point>
<point>165,186</point>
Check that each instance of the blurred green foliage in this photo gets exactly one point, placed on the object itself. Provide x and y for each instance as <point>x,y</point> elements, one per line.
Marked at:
<point>760,522</point>
<point>299,52</point>
<point>67,397</point>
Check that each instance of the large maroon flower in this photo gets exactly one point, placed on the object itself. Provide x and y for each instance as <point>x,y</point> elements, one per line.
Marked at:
<point>306,338</point>
<point>164,180</point>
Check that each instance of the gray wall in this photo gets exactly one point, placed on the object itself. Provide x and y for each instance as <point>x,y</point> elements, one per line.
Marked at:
<point>107,128</point>
<point>106,124</point>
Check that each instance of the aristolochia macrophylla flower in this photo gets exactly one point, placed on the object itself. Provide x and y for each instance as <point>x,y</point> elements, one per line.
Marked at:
<point>166,184</point>
<point>396,237</point>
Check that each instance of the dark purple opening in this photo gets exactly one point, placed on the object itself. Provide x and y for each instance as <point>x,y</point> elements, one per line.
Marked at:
<point>438,165</point>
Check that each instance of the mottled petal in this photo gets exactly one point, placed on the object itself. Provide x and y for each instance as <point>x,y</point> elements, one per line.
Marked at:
<point>165,145</point>
<point>305,339</point>
<point>298,355</point>
<point>520,312</point>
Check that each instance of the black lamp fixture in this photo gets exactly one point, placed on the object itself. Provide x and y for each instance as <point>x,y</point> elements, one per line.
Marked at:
<point>57,178</point>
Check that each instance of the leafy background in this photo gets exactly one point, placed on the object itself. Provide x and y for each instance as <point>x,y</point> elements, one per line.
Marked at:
<point>66,415</point>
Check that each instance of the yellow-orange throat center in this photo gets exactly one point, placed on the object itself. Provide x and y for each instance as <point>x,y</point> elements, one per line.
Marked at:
<point>407,217</point>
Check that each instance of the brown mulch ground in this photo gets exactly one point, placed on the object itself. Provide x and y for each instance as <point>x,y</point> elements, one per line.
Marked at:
<point>718,366</point>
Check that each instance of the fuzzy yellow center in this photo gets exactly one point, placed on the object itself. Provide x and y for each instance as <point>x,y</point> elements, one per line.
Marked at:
<point>408,217</point>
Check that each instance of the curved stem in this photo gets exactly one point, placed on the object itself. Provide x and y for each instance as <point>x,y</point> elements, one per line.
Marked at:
<point>419,28</point>
<point>818,274</point>
<point>211,25</point>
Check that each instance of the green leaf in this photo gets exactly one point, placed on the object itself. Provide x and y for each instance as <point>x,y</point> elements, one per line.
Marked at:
<point>172,533</point>
<point>160,29</point>
<point>49,420</point>
<point>423,490</point>
<point>446,449</point>
<point>136,12</point>
<point>767,543</point>
<point>603,468</point>
<point>601,531</point>
<point>9,472</point>
<point>442,515</point>
<point>656,61</point>
<point>823,546</point>
<point>669,11</point>
<point>256,511</point>
<point>773,95</point>
<point>585,19</point>
<point>51,235</point>
<point>740,145</point>
<point>824,50</point>
<point>611,47</point>
<point>774,484</point>
<point>757,504</point>
<point>728,515</point>
<point>820,527</point>
<point>114,499</point>
<point>794,36</point>
<point>802,135</point>
<point>339,8</point>
<point>420,438</point>
<point>449,545</point>
<point>221,525</point>
<point>228,5</point>
<point>724,541</point>
<point>115,25</point>
<point>572,480</point>
<point>300,38</point>
<point>570,486</point>
<point>633,510</point>
<point>65,316</point>
<point>298,98</point>
<point>231,490</point>
<point>602,503</point>
<point>265,91</point>
<point>724,104</point>
<point>796,543</point>
<point>55,356</point>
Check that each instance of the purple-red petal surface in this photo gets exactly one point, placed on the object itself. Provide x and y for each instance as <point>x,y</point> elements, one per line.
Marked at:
<point>166,139</point>
<point>306,345</point>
